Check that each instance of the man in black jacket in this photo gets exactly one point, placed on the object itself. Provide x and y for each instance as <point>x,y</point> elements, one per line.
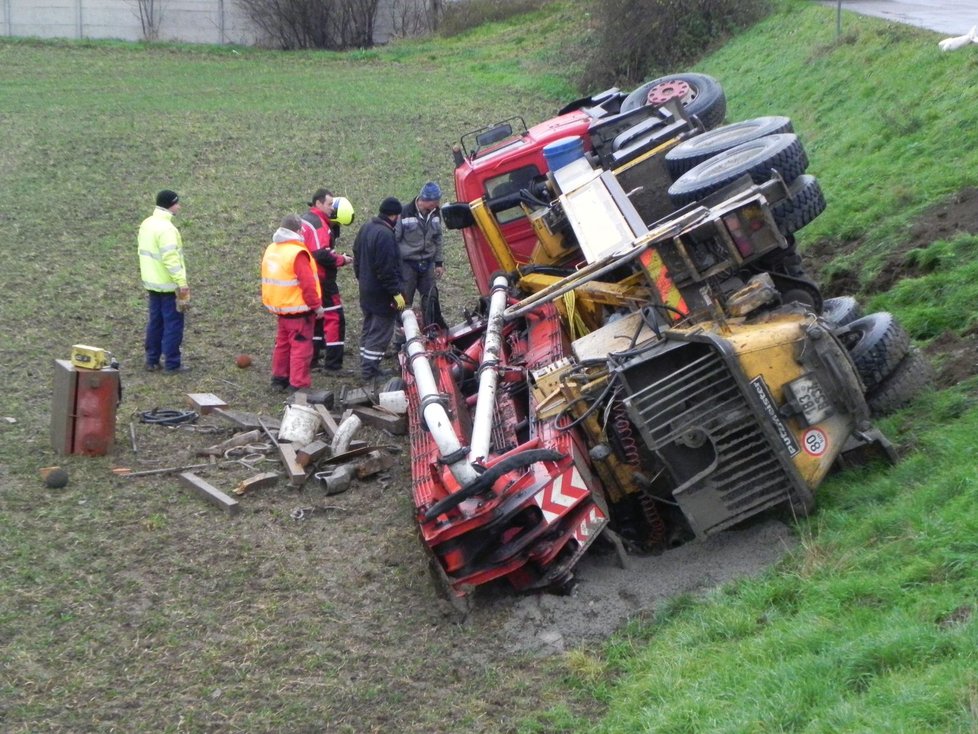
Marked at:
<point>377,265</point>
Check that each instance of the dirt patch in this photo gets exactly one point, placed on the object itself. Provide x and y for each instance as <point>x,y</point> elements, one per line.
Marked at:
<point>957,215</point>
<point>956,357</point>
<point>607,595</point>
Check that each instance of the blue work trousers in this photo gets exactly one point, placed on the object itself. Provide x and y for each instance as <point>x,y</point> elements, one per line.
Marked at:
<point>164,332</point>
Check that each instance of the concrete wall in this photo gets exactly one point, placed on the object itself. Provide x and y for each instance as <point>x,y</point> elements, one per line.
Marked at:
<point>193,21</point>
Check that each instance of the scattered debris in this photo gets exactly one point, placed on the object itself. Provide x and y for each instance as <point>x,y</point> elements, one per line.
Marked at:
<point>311,453</point>
<point>336,480</point>
<point>351,396</point>
<point>386,420</point>
<point>259,481</point>
<point>205,402</point>
<point>345,433</point>
<point>376,462</point>
<point>209,492</point>
<point>238,439</point>
<point>312,397</point>
<point>54,477</point>
<point>246,420</point>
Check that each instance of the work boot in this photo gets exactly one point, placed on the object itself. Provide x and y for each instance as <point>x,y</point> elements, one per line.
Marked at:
<point>280,384</point>
<point>176,370</point>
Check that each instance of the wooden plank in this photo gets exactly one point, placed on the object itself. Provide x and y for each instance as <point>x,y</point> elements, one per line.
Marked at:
<point>311,452</point>
<point>382,419</point>
<point>259,481</point>
<point>205,402</point>
<point>296,472</point>
<point>246,420</point>
<point>327,419</point>
<point>209,492</point>
<point>63,406</point>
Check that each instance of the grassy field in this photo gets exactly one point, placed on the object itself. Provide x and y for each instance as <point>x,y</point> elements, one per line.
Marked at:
<point>129,605</point>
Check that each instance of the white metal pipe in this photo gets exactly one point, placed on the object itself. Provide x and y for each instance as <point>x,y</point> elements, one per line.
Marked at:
<point>433,412</point>
<point>488,374</point>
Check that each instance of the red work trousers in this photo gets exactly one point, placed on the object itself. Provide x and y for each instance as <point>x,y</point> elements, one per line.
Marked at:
<point>293,349</point>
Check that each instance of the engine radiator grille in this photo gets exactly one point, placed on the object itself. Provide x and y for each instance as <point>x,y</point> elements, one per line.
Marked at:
<point>692,412</point>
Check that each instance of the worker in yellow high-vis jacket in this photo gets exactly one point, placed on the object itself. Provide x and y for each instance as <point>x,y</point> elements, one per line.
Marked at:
<point>164,276</point>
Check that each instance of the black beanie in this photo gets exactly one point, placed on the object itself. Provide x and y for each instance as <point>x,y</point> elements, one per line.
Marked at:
<point>390,206</point>
<point>167,198</point>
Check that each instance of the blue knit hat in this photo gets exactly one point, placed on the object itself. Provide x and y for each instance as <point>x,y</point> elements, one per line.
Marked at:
<point>430,192</point>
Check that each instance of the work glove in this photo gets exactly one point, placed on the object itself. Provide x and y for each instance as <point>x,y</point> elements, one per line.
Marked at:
<point>183,299</point>
<point>399,303</point>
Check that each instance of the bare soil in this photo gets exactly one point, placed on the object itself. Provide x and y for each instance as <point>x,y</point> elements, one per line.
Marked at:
<point>958,354</point>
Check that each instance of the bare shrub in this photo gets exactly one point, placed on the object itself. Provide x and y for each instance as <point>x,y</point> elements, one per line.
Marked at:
<point>637,39</point>
<point>415,17</point>
<point>299,24</point>
<point>464,15</point>
<point>150,14</point>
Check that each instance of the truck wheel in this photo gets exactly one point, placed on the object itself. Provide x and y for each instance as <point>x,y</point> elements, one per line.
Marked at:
<point>805,203</point>
<point>782,152</point>
<point>690,153</point>
<point>909,379</point>
<point>877,343</point>
<point>701,95</point>
<point>842,310</point>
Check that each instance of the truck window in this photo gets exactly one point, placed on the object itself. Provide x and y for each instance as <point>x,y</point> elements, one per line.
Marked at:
<point>510,183</point>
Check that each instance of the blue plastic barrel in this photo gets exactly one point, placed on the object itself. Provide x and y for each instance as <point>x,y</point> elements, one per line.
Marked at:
<point>563,151</point>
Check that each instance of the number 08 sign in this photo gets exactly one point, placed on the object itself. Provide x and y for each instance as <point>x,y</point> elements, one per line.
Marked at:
<point>815,442</point>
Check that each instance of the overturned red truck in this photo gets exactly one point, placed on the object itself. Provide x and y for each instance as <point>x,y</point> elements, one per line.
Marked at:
<point>649,361</point>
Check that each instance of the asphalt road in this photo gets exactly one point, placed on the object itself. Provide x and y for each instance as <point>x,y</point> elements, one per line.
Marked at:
<point>951,17</point>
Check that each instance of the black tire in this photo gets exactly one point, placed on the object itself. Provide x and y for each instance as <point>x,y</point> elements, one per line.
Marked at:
<point>842,310</point>
<point>913,376</point>
<point>393,385</point>
<point>701,95</point>
<point>805,203</point>
<point>690,153</point>
<point>877,343</point>
<point>756,158</point>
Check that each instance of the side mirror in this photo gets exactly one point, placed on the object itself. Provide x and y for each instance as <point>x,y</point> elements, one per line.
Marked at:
<point>457,215</point>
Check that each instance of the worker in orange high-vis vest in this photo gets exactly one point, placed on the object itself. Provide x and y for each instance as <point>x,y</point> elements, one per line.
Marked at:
<point>290,289</point>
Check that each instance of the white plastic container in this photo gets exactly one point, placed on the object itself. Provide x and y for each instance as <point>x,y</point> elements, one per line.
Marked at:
<point>299,425</point>
<point>395,401</point>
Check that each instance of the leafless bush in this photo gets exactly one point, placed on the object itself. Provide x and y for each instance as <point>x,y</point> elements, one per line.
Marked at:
<point>150,14</point>
<point>330,24</point>
<point>463,15</point>
<point>642,38</point>
<point>415,17</point>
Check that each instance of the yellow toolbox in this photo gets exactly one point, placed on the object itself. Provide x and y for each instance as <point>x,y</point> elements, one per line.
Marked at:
<point>90,358</point>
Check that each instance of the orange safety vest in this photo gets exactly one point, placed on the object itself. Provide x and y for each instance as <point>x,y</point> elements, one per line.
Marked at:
<point>280,291</point>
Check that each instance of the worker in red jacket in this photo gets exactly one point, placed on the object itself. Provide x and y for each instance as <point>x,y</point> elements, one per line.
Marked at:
<point>330,334</point>
<point>290,289</point>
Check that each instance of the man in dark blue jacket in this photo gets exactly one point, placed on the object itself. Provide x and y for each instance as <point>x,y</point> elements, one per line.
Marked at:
<point>377,265</point>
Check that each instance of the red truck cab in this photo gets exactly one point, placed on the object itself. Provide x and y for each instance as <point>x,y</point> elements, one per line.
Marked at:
<point>497,172</point>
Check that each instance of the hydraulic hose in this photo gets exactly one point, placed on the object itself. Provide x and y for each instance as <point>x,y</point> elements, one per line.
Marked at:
<point>485,480</point>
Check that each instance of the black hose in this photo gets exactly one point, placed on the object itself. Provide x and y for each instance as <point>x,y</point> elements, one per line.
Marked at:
<point>168,417</point>
<point>485,480</point>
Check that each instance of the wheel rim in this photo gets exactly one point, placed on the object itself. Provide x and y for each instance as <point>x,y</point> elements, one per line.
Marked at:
<point>672,89</point>
<point>745,153</point>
